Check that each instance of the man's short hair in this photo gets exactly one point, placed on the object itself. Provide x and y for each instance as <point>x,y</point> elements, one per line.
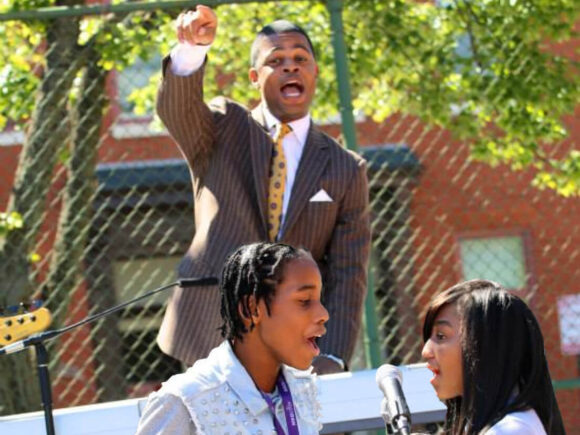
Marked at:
<point>276,28</point>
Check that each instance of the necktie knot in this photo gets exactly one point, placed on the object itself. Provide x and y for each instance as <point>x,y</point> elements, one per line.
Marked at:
<point>283,131</point>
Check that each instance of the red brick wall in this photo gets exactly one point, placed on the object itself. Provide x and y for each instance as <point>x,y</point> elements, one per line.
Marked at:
<point>453,198</point>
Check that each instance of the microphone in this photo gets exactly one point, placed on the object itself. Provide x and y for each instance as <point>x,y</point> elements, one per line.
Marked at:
<point>19,345</point>
<point>197,282</point>
<point>394,409</point>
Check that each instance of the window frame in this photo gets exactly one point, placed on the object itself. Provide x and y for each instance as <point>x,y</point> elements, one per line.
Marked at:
<point>530,285</point>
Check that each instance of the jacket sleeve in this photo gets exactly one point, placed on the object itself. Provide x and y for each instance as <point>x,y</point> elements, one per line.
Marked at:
<point>347,256</point>
<point>165,414</point>
<point>188,119</point>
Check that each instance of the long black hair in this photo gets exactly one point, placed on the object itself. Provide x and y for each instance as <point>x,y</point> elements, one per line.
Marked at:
<point>252,270</point>
<point>504,363</point>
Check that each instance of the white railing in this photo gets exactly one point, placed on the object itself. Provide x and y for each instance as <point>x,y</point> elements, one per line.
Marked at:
<point>350,401</point>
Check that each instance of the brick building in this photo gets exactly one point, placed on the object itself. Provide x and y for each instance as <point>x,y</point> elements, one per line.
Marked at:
<point>437,218</point>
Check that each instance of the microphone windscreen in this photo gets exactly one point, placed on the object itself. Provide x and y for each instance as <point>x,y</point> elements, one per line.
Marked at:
<point>388,371</point>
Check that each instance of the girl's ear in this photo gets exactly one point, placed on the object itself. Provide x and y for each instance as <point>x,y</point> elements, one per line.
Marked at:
<point>255,310</point>
<point>252,313</point>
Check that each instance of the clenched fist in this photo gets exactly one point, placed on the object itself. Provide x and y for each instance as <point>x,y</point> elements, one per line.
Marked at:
<point>197,27</point>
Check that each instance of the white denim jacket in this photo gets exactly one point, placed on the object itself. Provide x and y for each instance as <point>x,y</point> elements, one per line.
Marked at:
<point>217,396</point>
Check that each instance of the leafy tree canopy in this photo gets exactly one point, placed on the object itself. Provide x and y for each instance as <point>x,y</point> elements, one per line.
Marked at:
<point>501,75</point>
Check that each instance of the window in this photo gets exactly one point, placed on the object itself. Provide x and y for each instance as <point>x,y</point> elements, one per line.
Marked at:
<point>142,227</point>
<point>139,325</point>
<point>135,76</point>
<point>500,259</point>
<point>137,276</point>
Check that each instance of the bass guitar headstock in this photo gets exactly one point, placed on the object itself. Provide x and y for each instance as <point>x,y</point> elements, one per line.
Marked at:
<point>23,324</point>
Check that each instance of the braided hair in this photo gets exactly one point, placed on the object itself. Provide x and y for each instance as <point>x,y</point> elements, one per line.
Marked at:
<point>252,270</point>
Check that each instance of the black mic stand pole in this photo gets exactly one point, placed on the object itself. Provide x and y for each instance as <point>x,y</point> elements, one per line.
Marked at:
<point>37,340</point>
<point>45,388</point>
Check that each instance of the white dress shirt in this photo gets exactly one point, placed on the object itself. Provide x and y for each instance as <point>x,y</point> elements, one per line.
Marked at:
<point>187,58</point>
<point>218,396</point>
<point>293,144</point>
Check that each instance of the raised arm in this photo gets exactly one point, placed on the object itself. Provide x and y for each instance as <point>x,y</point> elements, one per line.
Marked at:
<point>180,102</point>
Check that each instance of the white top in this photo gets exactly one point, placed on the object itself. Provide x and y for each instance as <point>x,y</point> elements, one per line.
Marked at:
<point>217,395</point>
<point>521,422</point>
<point>187,58</point>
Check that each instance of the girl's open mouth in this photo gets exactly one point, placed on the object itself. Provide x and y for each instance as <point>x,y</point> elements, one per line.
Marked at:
<point>314,345</point>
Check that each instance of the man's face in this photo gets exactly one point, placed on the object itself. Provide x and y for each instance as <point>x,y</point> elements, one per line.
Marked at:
<point>285,72</point>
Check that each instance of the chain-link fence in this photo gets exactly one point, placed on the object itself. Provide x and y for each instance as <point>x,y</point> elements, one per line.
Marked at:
<point>97,203</point>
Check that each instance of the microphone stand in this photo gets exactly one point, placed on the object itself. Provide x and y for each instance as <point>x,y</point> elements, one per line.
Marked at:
<point>45,389</point>
<point>37,340</point>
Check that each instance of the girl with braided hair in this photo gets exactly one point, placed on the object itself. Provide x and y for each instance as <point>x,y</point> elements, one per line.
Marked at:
<point>258,380</point>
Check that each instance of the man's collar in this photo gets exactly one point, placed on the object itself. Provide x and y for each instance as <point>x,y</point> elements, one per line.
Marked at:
<point>299,126</point>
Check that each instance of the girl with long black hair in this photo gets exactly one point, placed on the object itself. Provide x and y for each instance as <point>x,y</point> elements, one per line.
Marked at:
<point>486,351</point>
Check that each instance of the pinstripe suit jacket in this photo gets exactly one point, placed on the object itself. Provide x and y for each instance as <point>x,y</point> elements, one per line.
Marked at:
<point>229,152</point>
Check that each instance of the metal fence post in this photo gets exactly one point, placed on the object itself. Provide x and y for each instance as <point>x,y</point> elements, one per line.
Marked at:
<point>371,339</point>
<point>349,131</point>
<point>342,74</point>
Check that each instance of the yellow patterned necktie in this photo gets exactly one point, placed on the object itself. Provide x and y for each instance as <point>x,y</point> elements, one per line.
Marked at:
<point>277,184</point>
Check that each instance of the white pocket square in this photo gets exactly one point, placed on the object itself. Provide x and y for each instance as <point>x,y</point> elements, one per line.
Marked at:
<point>321,196</point>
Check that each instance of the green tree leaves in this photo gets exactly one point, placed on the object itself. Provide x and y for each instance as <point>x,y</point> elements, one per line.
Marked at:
<point>500,75</point>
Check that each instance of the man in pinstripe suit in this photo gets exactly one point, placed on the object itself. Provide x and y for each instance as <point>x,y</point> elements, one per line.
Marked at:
<point>229,150</point>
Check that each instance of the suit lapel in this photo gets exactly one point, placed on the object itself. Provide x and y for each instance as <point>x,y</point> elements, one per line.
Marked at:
<point>312,164</point>
<point>261,153</point>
